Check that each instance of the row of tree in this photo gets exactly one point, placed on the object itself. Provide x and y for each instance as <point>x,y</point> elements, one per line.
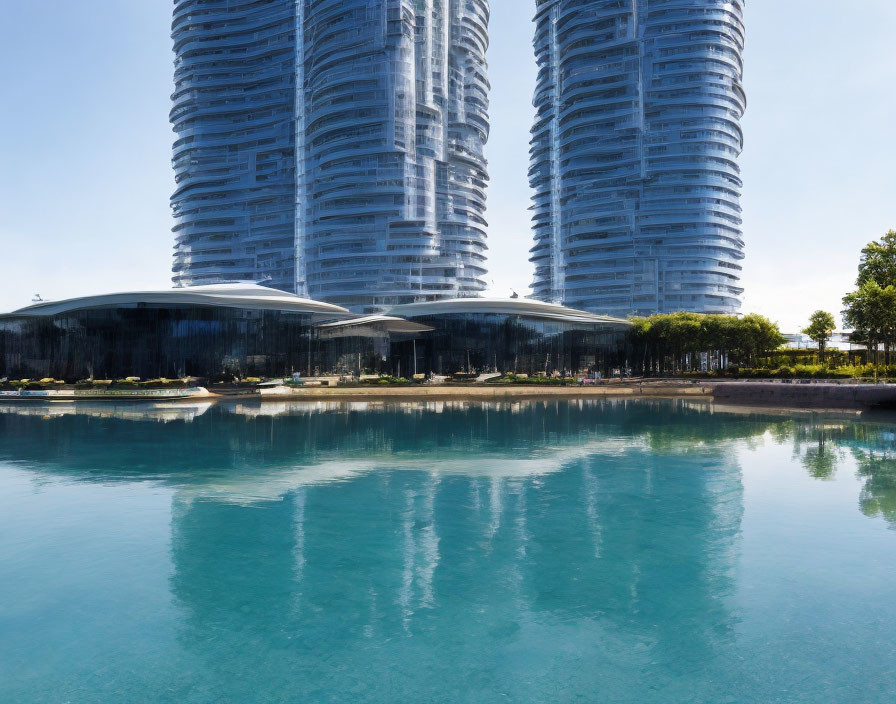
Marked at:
<point>695,342</point>
<point>678,342</point>
<point>869,310</point>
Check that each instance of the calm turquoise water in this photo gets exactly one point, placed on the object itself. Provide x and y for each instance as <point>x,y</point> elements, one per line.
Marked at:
<point>530,552</point>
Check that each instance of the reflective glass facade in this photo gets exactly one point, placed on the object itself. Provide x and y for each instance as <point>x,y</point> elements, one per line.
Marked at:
<point>154,341</point>
<point>233,113</point>
<point>366,349</point>
<point>479,342</point>
<point>332,147</point>
<point>395,123</point>
<point>634,155</point>
<point>150,340</point>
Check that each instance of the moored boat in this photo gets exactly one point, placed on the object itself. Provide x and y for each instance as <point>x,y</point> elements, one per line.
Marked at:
<point>104,394</point>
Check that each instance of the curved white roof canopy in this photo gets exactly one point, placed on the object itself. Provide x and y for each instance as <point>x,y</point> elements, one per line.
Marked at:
<point>247,296</point>
<point>506,306</point>
<point>387,323</point>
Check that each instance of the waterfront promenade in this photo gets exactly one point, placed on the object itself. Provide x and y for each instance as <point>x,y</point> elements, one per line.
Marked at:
<point>763,393</point>
<point>485,392</point>
<point>767,393</point>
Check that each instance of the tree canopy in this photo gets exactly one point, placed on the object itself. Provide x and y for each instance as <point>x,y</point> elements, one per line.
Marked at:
<point>871,312</point>
<point>821,326</point>
<point>878,262</point>
<point>662,342</point>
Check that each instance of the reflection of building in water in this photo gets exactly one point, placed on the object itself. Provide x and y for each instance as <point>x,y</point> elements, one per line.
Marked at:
<point>658,536</point>
<point>456,513</point>
<point>234,567</point>
<point>317,541</point>
<point>247,450</point>
<point>333,544</point>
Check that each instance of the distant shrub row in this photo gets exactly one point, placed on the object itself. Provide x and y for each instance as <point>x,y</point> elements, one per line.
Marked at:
<point>801,371</point>
<point>534,380</point>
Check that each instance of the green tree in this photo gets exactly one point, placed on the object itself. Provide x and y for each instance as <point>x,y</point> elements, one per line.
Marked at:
<point>871,312</point>
<point>759,335</point>
<point>821,325</point>
<point>671,342</point>
<point>878,262</point>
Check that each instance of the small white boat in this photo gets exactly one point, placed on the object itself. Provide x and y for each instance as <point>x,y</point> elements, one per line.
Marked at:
<point>103,394</point>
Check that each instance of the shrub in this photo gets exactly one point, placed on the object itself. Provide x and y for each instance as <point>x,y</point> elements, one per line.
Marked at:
<point>534,381</point>
<point>807,371</point>
<point>162,383</point>
<point>387,381</point>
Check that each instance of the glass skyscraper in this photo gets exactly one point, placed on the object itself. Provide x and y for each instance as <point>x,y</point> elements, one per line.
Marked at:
<point>234,115</point>
<point>634,155</point>
<point>332,147</point>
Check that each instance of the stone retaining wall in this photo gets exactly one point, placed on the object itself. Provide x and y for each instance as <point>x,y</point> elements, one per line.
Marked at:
<point>489,392</point>
<point>805,395</point>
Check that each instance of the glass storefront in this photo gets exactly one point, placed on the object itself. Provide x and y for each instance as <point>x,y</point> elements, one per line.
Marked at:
<point>501,342</point>
<point>354,351</point>
<point>154,341</point>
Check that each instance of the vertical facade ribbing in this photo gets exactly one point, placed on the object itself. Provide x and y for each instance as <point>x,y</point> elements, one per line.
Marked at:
<point>395,95</point>
<point>332,147</point>
<point>234,156</point>
<point>634,155</point>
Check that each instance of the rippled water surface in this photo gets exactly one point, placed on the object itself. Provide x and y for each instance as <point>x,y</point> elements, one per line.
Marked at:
<point>610,551</point>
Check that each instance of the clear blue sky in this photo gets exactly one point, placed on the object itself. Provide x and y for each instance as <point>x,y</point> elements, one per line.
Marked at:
<point>85,146</point>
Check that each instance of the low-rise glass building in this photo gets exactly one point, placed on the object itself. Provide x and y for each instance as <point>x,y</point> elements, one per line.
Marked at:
<point>246,330</point>
<point>203,331</point>
<point>523,336</point>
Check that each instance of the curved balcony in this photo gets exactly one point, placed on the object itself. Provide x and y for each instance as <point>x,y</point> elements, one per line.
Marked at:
<point>234,104</point>
<point>302,136</point>
<point>357,246</point>
<point>634,155</point>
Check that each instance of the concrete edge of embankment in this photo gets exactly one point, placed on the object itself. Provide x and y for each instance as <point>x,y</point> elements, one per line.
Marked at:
<point>723,394</point>
<point>803,395</point>
<point>476,393</point>
<point>770,394</point>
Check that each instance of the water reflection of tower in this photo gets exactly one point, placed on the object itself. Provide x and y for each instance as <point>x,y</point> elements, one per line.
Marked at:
<point>618,528</point>
<point>652,553</point>
<point>234,576</point>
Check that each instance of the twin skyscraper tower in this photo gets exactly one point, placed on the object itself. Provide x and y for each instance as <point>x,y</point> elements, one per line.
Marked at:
<point>335,148</point>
